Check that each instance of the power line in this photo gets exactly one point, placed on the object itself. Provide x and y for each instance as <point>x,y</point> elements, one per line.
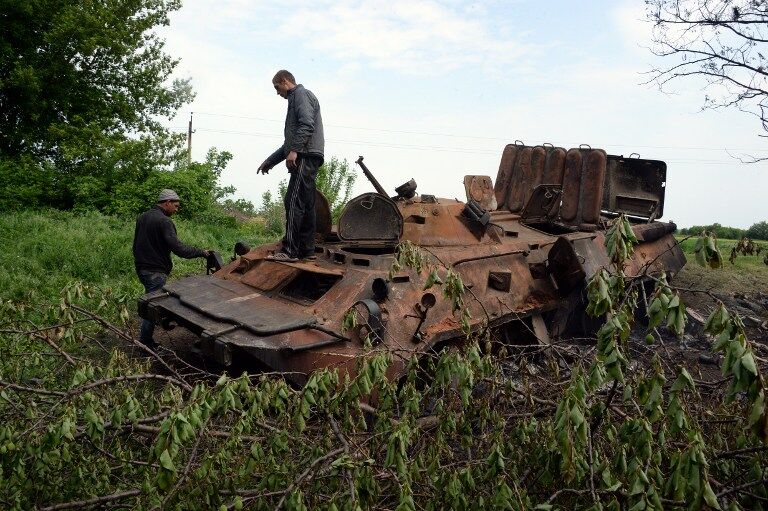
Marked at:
<point>362,142</point>
<point>363,128</point>
<point>441,148</point>
<point>476,137</point>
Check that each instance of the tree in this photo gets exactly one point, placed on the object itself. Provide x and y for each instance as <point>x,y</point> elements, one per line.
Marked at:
<point>196,184</point>
<point>758,231</point>
<point>719,231</point>
<point>334,180</point>
<point>722,42</point>
<point>82,86</point>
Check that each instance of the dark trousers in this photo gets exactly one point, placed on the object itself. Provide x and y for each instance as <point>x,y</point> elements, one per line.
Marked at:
<point>152,281</point>
<point>299,240</point>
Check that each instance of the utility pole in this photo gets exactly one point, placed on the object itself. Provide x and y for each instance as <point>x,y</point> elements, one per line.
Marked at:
<point>189,141</point>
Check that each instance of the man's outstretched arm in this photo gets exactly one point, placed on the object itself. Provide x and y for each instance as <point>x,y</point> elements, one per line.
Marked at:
<point>272,160</point>
<point>177,247</point>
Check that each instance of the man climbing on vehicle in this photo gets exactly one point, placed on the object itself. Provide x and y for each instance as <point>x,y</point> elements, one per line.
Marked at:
<point>302,151</point>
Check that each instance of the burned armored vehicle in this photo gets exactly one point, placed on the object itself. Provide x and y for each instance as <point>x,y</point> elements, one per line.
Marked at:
<point>524,248</point>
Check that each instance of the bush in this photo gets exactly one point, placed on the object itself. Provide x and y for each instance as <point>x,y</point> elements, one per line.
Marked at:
<point>45,251</point>
<point>196,184</point>
<point>25,183</point>
<point>758,231</point>
<point>720,231</point>
<point>272,211</point>
<point>334,181</point>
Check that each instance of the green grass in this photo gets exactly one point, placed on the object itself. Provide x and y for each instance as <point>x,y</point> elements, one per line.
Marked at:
<point>745,275</point>
<point>43,252</point>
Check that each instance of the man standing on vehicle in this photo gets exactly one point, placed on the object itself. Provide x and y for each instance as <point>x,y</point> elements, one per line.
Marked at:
<point>153,241</point>
<point>302,151</point>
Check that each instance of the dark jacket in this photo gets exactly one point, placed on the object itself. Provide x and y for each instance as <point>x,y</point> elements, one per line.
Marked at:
<point>303,126</point>
<point>154,240</point>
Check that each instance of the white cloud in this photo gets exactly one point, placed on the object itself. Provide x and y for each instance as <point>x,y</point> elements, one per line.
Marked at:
<point>567,95</point>
<point>419,37</point>
<point>633,27</point>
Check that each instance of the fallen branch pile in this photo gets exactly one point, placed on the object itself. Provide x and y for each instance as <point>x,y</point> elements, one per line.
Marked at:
<point>610,424</point>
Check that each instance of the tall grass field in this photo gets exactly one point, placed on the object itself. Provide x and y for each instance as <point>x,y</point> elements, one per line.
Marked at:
<point>43,252</point>
<point>747,274</point>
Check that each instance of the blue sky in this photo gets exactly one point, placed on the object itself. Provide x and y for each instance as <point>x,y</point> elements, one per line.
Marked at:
<point>434,90</point>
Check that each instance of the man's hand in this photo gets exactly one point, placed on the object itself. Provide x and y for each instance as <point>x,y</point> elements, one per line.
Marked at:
<point>263,168</point>
<point>290,160</point>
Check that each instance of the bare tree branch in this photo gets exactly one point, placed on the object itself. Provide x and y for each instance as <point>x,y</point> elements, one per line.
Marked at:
<point>94,501</point>
<point>722,42</point>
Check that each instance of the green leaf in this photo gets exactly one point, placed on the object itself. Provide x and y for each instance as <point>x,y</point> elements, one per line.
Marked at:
<point>432,279</point>
<point>674,302</point>
<point>166,462</point>
<point>758,408</point>
<point>748,362</point>
<point>576,417</point>
<point>709,497</point>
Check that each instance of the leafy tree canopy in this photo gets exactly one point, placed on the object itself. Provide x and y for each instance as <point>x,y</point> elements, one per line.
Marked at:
<point>758,231</point>
<point>196,184</point>
<point>74,74</point>
<point>335,181</point>
<point>83,85</point>
<point>719,231</point>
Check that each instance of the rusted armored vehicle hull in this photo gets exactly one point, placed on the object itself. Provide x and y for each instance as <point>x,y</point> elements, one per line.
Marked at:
<point>523,248</point>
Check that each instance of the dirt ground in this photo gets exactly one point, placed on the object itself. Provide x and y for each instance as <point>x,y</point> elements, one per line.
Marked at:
<point>742,292</point>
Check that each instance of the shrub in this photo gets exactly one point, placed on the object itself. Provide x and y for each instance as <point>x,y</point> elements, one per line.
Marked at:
<point>720,231</point>
<point>334,181</point>
<point>196,184</point>
<point>758,231</point>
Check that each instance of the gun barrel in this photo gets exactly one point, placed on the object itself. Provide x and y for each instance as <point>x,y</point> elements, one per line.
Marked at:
<point>370,177</point>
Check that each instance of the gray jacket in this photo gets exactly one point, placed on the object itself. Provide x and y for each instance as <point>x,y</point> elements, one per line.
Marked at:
<point>303,127</point>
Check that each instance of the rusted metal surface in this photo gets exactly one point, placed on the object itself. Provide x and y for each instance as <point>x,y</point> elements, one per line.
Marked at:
<point>323,216</point>
<point>517,269</point>
<point>579,172</point>
<point>554,167</point>
<point>543,204</point>
<point>379,189</point>
<point>571,185</point>
<point>517,185</point>
<point>535,171</point>
<point>635,186</point>
<point>501,186</point>
<point>371,216</point>
<point>480,189</point>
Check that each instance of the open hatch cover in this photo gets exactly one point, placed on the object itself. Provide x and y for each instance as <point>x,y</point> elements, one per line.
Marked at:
<point>635,187</point>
